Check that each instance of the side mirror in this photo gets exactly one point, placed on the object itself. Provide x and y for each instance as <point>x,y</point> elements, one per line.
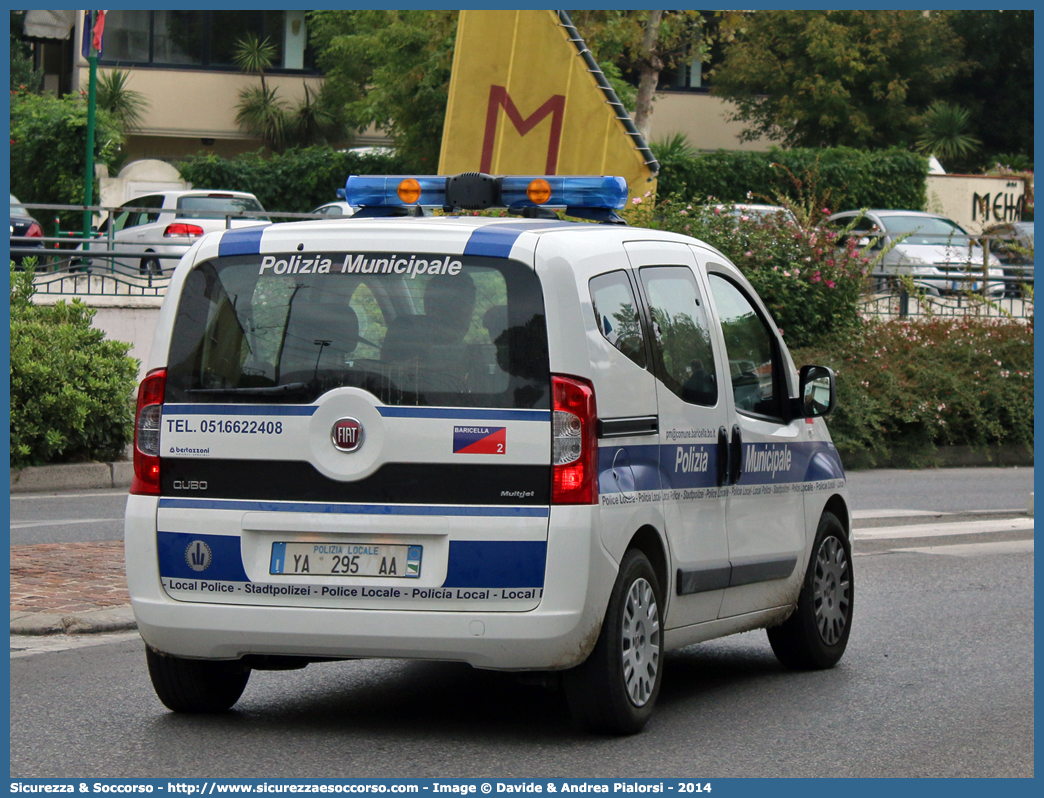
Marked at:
<point>817,392</point>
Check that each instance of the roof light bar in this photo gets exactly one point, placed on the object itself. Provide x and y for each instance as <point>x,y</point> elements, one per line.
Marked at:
<point>580,191</point>
<point>474,190</point>
<point>383,191</point>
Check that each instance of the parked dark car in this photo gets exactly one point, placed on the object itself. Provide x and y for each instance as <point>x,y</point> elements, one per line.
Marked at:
<point>24,226</point>
<point>1012,244</point>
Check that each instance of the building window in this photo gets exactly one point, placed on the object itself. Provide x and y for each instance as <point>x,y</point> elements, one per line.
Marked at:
<point>203,39</point>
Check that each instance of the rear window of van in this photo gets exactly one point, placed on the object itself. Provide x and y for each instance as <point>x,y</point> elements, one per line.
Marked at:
<point>288,328</point>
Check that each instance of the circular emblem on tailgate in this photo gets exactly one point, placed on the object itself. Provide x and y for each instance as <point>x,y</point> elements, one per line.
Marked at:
<point>198,555</point>
<point>347,434</point>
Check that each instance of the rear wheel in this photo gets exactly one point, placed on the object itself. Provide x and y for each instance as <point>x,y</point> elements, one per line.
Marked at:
<point>816,634</point>
<point>196,685</point>
<point>150,266</point>
<point>615,690</point>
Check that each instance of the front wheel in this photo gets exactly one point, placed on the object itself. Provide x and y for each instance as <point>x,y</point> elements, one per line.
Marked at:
<point>615,689</point>
<point>196,685</point>
<point>816,634</point>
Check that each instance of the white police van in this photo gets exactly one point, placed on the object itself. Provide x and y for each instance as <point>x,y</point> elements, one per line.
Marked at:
<point>525,444</point>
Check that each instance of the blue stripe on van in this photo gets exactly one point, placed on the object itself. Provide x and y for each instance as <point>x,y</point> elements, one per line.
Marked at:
<point>496,563</point>
<point>239,410</point>
<point>496,241</point>
<point>177,550</point>
<point>353,509</point>
<point>673,466</point>
<point>244,241</point>
<point>492,242</point>
<point>465,413</point>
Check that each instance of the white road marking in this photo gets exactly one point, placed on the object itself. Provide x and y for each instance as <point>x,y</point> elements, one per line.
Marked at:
<point>976,549</point>
<point>940,530</point>
<point>29,645</point>
<point>861,514</point>
<point>63,522</point>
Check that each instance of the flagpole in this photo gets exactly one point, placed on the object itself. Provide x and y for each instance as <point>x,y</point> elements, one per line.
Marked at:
<point>88,187</point>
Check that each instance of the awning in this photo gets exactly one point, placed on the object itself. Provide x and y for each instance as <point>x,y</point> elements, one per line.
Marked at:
<point>48,24</point>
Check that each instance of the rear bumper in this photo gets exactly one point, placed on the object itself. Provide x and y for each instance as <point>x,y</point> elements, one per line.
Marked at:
<point>559,633</point>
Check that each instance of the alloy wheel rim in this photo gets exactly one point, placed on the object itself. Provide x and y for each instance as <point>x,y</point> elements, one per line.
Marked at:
<point>640,642</point>
<point>831,590</point>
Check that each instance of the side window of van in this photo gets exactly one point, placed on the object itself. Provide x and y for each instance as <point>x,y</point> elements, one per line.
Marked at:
<point>616,312</point>
<point>751,349</point>
<point>681,333</point>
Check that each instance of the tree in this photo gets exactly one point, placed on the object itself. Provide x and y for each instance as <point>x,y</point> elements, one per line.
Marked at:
<point>641,45</point>
<point>49,149</point>
<point>837,78</point>
<point>263,114</point>
<point>125,104</point>
<point>24,76</point>
<point>390,69</point>
<point>946,135</point>
<point>998,88</point>
<point>260,112</point>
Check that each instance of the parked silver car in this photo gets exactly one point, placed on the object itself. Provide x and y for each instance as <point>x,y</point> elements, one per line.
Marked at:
<point>335,210</point>
<point>168,223</point>
<point>940,256</point>
<point>759,213</point>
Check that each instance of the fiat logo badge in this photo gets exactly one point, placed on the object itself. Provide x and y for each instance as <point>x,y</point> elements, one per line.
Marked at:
<point>347,434</point>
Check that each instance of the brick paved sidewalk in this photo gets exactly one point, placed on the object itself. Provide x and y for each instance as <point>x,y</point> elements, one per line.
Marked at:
<point>66,578</point>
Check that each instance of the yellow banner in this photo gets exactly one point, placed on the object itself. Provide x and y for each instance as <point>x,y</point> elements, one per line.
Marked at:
<point>521,101</point>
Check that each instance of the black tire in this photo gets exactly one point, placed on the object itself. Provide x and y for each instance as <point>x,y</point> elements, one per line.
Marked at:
<point>615,689</point>
<point>196,685</point>
<point>150,266</point>
<point>816,634</point>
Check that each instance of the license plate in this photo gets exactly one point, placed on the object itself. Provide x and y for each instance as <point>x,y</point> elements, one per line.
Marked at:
<point>346,559</point>
<point>964,286</point>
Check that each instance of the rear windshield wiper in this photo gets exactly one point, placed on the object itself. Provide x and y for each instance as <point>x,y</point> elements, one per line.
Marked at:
<point>267,390</point>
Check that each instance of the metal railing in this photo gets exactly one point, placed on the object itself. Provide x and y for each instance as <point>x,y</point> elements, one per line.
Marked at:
<point>69,264</point>
<point>889,296</point>
<point>65,267</point>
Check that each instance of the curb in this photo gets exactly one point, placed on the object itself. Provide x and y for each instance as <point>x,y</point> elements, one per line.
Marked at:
<point>73,476</point>
<point>115,619</point>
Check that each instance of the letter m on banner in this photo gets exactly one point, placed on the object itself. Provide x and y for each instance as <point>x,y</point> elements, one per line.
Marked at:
<point>499,98</point>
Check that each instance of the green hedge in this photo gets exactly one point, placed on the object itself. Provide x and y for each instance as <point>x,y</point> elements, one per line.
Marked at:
<point>71,390</point>
<point>892,178</point>
<point>295,181</point>
<point>301,179</point>
<point>905,387</point>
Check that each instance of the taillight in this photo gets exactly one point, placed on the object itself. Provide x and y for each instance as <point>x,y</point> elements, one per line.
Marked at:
<point>574,442</point>
<point>147,433</point>
<point>34,231</point>
<point>182,229</point>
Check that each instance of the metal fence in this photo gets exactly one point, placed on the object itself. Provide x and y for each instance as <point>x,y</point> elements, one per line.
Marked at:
<point>895,300</point>
<point>70,265</point>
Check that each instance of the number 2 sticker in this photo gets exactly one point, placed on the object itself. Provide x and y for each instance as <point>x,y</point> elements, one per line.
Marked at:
<point>479,440</point>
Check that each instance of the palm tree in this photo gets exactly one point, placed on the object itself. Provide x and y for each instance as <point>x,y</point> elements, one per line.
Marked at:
<point>260,112</point>
<point>946,133</point>
<point>127,105</point>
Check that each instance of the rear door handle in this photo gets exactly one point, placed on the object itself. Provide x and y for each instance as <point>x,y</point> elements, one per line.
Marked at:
<point>723,456</point>
<point>735,455</point>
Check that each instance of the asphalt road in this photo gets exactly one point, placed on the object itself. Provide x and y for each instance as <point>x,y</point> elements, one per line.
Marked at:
<point>67,517</point>
<point>937,681</point>
<point>98,515</point>
<point>953,490</point>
